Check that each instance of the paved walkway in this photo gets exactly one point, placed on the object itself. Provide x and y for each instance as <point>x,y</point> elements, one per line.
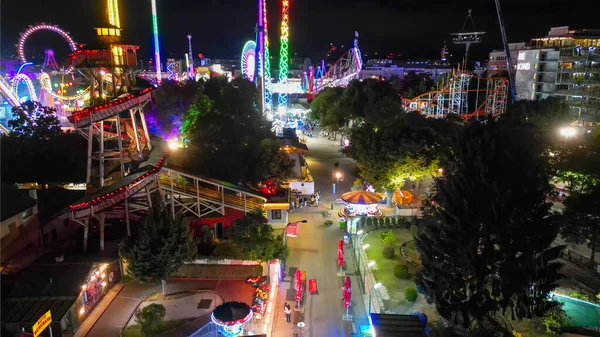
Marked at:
<point>187,306</point>
<point>116,313</point>
<point>315,251</point>
<point>91,320</point>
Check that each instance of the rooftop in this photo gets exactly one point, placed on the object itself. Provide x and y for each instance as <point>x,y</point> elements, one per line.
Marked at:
<point>397,325</point>
<point>14,201</point>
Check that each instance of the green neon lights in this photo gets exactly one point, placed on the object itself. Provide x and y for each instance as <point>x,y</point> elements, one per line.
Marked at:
<point>284,52</point>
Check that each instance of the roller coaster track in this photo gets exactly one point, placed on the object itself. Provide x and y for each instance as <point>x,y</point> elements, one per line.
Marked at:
<point>457,96</point>
<point>7,92</point>
<point>345,69</point>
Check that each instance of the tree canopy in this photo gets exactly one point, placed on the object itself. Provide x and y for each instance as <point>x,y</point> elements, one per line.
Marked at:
<point>37,150</point>
<point>160,248</point>
<point>581,220</point>
<point>487,229</point>
<point>254,236</point>
<point>224,128</point>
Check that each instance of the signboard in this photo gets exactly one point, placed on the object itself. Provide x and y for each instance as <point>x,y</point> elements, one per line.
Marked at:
<point>526,74</point>
<point>42,324</point>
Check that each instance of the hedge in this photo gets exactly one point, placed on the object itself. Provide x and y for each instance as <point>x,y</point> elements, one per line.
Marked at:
<point>219,271</point>
<point>411,294</point>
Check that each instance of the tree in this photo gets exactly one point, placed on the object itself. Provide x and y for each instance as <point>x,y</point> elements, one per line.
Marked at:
<point>160,248</point>
<point>35,141</point>
<point>273,163</point>
<point>170,104</point>
<point>151,318</point>
<point>401,149</point>
<point>485,240</point>
<point>581,220</point>
<point>223,129</point>
<point>227,249</point>
<point>254,236</point>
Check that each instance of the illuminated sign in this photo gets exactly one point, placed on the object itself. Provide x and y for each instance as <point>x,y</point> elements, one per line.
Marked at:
<point>42,324</point>
<point>522,56</point>
<point>523,66</point>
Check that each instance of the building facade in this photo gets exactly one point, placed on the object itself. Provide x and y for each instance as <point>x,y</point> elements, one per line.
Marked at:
<point>566,63</point>
<point>384,68</point>
<point>497,59</point>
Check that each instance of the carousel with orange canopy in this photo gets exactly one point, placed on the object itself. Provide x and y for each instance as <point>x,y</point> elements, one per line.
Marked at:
<point>361,203</point>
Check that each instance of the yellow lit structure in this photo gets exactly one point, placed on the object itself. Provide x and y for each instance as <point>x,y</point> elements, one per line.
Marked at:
<point>113,13</point>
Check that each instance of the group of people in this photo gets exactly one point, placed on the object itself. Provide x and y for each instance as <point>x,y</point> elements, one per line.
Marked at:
<point>305,201</point>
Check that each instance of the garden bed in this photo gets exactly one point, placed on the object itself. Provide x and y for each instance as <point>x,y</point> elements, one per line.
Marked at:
<point>384,272</point>
<point>135,330</point>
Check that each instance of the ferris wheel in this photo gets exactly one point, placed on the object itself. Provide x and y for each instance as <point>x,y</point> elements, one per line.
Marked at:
<point>41,27</point>
<point>249,60</point>
<point>57,90</point>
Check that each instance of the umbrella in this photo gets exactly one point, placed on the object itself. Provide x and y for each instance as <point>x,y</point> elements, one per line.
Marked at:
<point>347,293</point>
<point>362,197</point>
<point>340,262</point>
<point>298,285</point>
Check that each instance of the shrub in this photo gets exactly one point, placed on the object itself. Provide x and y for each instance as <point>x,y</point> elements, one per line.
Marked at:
<point>407,224</point>
<point>388,252</point>
<point>580,296</point>
<point>554,320</point>
<point>388,221</point>
<point>369,221</point>
<point>363,221</point>
<point>228,250</point>
<point>151,319</point>
<point>411,294</point>
<point>401,271</point>
<point>388,238</point>
<point>414,230</point>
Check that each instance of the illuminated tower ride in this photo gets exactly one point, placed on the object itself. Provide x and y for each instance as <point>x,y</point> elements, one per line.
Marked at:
<point>268,96</point>
<point>155,33</point>
<point>283,54</point>
<point>191,67</point>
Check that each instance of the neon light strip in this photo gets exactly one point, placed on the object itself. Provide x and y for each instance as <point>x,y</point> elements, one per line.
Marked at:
<point>268,95</point>
<point>113,13</point>
<point>283,52</point>
<point>156,46</point>
<point>23,66</point>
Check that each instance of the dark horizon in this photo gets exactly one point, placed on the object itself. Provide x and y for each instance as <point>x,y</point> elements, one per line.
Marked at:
<point>411,28</point>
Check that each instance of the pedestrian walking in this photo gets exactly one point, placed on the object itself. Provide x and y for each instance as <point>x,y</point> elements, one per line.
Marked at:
<point>287,309</point>
<point>305,201</point>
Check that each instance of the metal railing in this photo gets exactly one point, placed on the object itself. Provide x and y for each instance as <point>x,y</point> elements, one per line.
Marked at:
<point>209,330</point>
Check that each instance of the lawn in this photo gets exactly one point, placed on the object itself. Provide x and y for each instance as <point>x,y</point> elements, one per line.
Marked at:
<point>136,329</point>
<point>384,272</point>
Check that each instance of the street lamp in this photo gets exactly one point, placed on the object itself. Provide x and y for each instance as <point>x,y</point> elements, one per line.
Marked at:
<point>568,132</point>
<point>336,179</point>
<point>376,286</point>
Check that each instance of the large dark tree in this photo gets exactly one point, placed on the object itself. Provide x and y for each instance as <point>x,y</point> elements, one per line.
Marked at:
<point>160,248</point>
<point>254,236</point>
<point>224,128</point>
<point>581,220</point>
<point>36,150</point>
<point>485,243</point>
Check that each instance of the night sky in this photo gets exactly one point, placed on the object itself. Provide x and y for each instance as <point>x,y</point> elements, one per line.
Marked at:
<point>414,28</point>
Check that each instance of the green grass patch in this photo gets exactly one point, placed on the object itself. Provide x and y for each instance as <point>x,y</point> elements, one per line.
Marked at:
<point>135,330</point>
<point>384,273</point>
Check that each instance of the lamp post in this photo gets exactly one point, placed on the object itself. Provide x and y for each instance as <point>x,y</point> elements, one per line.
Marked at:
<point>376,286</point>
<point>336,179</point>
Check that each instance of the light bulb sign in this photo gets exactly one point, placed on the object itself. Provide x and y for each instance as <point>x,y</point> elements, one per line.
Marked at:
<point>526,74</point>
<point>42,324</point>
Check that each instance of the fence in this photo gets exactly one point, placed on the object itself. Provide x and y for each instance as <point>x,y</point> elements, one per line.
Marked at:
<point>580,260</point>
<point>209,330</point>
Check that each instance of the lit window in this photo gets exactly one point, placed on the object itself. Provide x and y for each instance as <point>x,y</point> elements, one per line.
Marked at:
<point>104,31</point>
